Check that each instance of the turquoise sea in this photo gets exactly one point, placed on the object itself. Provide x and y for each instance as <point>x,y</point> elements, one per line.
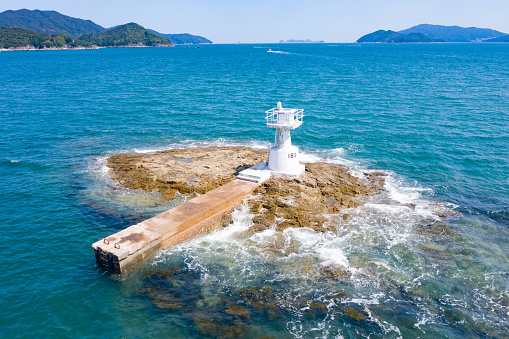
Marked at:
<point>429,258</point>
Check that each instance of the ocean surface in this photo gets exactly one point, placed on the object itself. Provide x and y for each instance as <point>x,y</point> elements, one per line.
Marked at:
<point>428,258</point>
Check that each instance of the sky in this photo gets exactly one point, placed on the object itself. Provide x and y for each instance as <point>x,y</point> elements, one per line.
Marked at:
<point>266,21</point>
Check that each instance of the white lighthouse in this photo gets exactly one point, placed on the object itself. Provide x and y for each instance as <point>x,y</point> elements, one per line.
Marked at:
<point>283,157</point>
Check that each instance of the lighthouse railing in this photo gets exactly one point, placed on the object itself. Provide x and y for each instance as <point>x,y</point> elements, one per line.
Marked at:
<point>274,122</point>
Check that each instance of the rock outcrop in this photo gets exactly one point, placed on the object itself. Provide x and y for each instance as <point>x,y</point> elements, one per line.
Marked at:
<point>184,171</point>
<point>308,201</point>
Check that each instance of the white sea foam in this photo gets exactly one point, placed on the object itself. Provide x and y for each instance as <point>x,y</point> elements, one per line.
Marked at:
<point>371,241</point>
<point>309,157</point>
<point>100,165</point>
<point>403,194</point>
<point>378,220</point>
<point>382,225</point>
<point>403,204</point>
<point>334,156</point>
<point>406,201</point>
<point>372,300</point>
<point>148,150</point>
<point>220,142</point>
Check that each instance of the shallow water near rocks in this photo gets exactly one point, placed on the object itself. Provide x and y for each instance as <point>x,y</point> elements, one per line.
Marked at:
<point>427,258</point>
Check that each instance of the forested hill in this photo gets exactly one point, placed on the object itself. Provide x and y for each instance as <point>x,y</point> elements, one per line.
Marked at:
<point>454,33</point>
<point>23,38</point>
<point>183,38</point>
<point>48,22</point>
<point>52,23</point>
<point>130,34</point>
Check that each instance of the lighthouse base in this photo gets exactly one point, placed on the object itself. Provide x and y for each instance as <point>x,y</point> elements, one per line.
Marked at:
<point>285,161</point>
<point>261,172</point>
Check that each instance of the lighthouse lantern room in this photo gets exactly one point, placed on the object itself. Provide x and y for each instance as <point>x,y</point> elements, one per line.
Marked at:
<point>283,157</point>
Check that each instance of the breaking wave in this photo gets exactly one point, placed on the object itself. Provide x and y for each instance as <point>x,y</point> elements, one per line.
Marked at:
<point>388,267</point>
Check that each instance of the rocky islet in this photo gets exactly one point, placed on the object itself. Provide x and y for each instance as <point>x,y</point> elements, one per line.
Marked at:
<point>321,199</point>
<point>324,189</point>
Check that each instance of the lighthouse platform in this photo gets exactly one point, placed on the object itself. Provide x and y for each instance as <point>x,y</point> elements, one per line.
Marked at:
<point>214,173</point>
<point>124,249</point>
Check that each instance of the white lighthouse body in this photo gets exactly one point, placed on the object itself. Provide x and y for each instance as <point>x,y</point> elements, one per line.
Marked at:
<point>283,157</point>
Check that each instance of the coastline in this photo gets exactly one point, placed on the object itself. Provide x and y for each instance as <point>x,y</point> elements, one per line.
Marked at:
<point>31,48</point>
<point>14,49</point>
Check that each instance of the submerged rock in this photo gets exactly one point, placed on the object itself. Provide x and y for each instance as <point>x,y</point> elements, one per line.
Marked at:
<point>236,312</point>
<point>355,314</point>
<point>278,244</point>
<point>335,272</point>
<point>436,231</point>
<point>239,311</point>
<point>316,308</point>
<point>179,290</point>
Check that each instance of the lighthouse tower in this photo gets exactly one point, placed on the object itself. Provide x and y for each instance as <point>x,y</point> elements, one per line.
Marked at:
<point>283,157</point>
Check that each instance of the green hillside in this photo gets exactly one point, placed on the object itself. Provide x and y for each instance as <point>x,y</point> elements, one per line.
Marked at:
<point>416,37</point>
<point>51,23</point>
<point>48,22</point>
<point>183,38</point>
<point>379,36</point>
<point>395,37</point>
<point>126,35</point>
<point>454,33</point>
<point>19,37</point>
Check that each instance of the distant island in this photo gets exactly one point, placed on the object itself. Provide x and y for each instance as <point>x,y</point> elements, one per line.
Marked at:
<point>183,38</point>
<point>454,33</point>
<point>433,33</point>
<point>293,41</point>
<point>395,37</point>
<point>25,29</point>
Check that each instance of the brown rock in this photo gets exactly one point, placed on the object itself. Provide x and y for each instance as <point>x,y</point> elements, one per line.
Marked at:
<point>239,311</point>
<point>196,169</point>
<point>308,201</point>
<point>324,189</point>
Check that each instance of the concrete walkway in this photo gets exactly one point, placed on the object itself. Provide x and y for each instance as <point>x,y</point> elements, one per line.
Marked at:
<point>128,247</point>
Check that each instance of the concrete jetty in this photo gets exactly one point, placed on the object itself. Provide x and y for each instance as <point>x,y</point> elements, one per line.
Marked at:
<point>130,246</point>
<point>126,248</point>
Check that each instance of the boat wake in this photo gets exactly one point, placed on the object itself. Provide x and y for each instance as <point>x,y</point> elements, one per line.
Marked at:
<point>278,52</point>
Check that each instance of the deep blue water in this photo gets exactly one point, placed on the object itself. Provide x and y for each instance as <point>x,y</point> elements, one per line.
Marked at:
<point>433,116</point>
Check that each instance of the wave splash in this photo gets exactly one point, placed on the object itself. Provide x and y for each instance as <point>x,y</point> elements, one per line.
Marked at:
<point>393,263</point>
